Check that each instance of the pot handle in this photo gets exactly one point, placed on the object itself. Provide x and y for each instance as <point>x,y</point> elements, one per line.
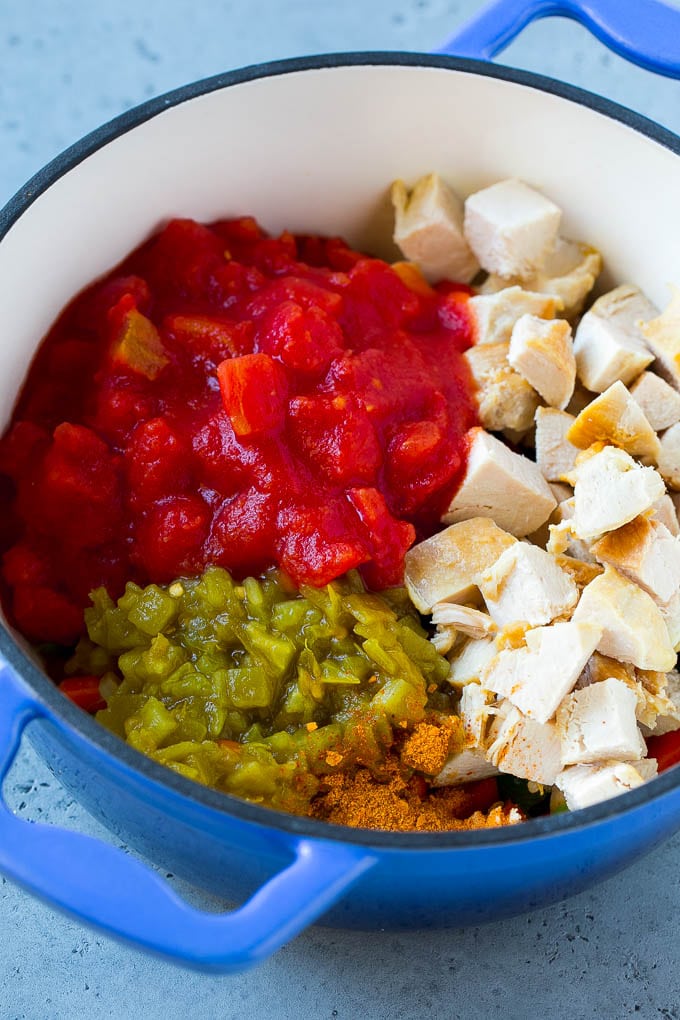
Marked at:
<point>100,884</point>
<point>646,32</point>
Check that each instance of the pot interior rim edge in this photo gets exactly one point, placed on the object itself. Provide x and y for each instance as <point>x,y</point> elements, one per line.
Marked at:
<point>225,804</point>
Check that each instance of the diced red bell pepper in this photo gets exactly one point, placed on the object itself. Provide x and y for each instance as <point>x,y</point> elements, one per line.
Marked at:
<point>83,691</point>
<point>254,392</point>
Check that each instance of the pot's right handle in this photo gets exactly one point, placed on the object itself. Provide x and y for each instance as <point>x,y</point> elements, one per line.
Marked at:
<point>646,32</point>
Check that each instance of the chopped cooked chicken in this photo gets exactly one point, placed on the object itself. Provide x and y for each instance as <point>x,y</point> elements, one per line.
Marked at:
<point>669,719</point>
<point>466,766</point>
<point>511,228</point>
<point>524,747</point>
<point>584,785</point>
<point>662,335</point>
<point>598,723</point>
<point>671,617</point>
<point>443,568</point>
<point>562,540</point>
<point>568,274</point>
<point>474,711</point>
<point>541,351</point>
<point>632,627</point>
<point>468,664</point>
<point>664,511</point>
<point>502,485</point>
<point>505,400</point>
<point>526,584</point>
<point>608,343</point>
<point>536,678</point>
<point>555,455</point>
<point>644,551</point>
<point>660,403</point>
<point>611,489</point>
<point>466,620</point>
<point>494,315</point>
<point>669,457</point>
<point>581,573</point>
<point>429,229</point>
<point>615,417</point>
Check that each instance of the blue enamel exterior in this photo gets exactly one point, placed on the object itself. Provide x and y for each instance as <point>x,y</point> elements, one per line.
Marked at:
<point>291,871</point>
<point>646,32</point>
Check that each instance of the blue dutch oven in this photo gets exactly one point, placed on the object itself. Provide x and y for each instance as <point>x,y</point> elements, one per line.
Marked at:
<point>311,144</point>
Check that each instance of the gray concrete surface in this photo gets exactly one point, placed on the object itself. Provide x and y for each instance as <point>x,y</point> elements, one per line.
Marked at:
<point>65,67</point>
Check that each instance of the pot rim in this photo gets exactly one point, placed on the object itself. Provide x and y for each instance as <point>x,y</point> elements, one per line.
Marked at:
<point>226,805</point>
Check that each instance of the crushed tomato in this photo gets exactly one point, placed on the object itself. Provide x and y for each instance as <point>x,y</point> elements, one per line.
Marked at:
<point>224,397</point>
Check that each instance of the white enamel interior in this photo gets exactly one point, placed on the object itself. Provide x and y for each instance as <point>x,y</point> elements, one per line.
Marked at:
<point>315,151</point>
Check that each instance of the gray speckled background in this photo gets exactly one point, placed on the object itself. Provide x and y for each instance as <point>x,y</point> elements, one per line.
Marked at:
<point>65,67</point>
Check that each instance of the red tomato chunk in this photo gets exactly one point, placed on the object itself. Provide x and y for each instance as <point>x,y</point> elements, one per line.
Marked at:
<point>231,398</point>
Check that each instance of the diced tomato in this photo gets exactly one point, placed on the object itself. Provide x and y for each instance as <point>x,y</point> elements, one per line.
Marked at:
<point>43,614</point>
<point>169,538</point>
<point>242,536</point>
<point>157,463</point>
<point>254,389</point>
<point>305,339</point>
<point>665,748</point>
<point>206,335</point>
<point>337,436</point>
<point>83,691</point>
<point>229,397</point>
<point>387,538</point>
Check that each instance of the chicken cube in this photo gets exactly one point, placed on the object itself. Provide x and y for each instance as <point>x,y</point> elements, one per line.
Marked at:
<point>670,612</point>
<point>555,455</point>
<point>465,619</point>
<point>662,335</point>
<point>474,712</point>
<point>660,403</point>
<point>615,417</point>
<point>443,568</point>
<point>469,662</point>
<point>611,489</point>
<point>505,400</point>
<point>608,344</point>
<point>669,457</point>
<point>644,551</point>
<point>541,351</point>
<point>502,485</point>
<point>568,274</point>
<point>537,677</point>
<point>665,513</point>
<point>631,624</point>
<point>568,544</point>
<point>466,766</point>
<point>598,723</point>
<point>429,230</point>
<point>525,583</point>
<point>669,719</point>
<point>524,747</point>
<point>511,228</point>
<point>494,315</point>
<point>585,785</point>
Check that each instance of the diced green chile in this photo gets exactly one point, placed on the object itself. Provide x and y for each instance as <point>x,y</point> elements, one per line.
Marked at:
<point>248,687</point>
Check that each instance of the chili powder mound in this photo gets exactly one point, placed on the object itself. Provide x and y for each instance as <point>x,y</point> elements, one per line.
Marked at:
<point>396,804</point>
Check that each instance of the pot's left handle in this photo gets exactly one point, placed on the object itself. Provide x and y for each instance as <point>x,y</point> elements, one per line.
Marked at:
<point>104,886</point>
<point>646,32</point>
